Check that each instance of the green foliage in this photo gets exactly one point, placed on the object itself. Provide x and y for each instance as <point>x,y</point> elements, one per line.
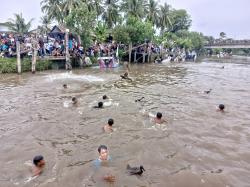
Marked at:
<point>81,21</point>
<point>9,65</point>
<point>134,31</point>
<point>94,60</point>
<point>183,39</point>
<point>135,8</point>
<point>180,20</point>
<point>101,32</point>
<point>111,14</point>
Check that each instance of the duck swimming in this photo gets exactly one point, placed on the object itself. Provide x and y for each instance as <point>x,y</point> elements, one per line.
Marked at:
<point>135,170</point>
<point>138,100</point>
<point>208,91</point>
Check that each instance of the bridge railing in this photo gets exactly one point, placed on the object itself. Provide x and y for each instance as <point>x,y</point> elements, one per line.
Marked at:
<point>228,42</point>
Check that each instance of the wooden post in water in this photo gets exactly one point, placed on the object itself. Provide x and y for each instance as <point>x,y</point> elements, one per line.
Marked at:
<point>67,56</point>
<point>144,56</point>
<point>34,55</point>
<point>130,51</point>
<point>149,53</point>
<point>135,56</point>
<point>18,57</point>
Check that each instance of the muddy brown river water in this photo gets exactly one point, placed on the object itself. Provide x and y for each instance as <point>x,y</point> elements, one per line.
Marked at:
<point>198,146</point>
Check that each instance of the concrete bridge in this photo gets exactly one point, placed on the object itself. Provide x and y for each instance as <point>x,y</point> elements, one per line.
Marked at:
<point>228,44</point>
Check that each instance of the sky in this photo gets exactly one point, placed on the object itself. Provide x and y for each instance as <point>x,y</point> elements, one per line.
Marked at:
<point>208,16</point>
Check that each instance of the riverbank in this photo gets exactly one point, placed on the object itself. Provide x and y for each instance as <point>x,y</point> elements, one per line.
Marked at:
<point>9,65</point>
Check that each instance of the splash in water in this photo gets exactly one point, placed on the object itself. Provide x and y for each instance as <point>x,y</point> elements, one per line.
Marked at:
<point>61,76</point>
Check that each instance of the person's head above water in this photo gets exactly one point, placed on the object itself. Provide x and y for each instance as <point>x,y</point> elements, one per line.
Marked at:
<point>38,161</point>
<point>100,105</point>
<point>110,122</point>
<point>103,152</point>
<point>104,97</point>
<point>221,107</point>
<point>65,86</point>
<point>74,100</point>
<point>159,115</point>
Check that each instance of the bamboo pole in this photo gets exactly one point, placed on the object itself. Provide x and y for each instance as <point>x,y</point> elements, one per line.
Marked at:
<point>67,64</point>
<point>144,55</point>
<point>34,55</point>
<point>135,56</point>
<point>130,51</point>
<point>18,57</point>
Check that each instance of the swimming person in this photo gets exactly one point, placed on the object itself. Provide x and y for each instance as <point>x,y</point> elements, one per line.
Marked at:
<point>105,97</point>
<point>221,108</point>
<point>108,127</point>
<point>125,76</point>
<point>100,105</point>
<point>158,119</point>
<point>65,86</point>
<point>74,100</point>
<point>104,159</point>
<point>39,165</point>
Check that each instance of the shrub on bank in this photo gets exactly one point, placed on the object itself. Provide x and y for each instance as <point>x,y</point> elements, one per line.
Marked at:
<point>9,65</point>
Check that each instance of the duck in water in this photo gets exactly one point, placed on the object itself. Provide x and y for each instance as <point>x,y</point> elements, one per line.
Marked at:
<point>139,100</point>
<point>208,91</point>
<point>135,170</point>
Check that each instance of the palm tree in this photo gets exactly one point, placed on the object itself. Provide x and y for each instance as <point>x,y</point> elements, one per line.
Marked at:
<point>45,27</point>
<point>97,6</point>
<point>111,14</point>
<point>68,5</point>
<point>54,9</point>
<point>152,14</point>
<point>164,17</point>
<point>18,24</point>
<point>136,8</point>
<point>222,35</point>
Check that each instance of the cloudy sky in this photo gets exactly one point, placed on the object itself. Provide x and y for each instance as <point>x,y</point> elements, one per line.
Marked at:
<point>209,16</point>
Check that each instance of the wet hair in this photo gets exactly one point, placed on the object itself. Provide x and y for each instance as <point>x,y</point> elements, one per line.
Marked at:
<point>37,159</point>
<point>100,104</point>
<point>221,107</point>
<point>65,85</point>
<point>102,147</point>
<point>110,122</point>
<point>74,99</point>
<point>104,97</point>
<point>159,115</point>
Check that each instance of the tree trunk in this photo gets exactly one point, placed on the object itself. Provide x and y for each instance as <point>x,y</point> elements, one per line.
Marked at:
<point>18,57</point>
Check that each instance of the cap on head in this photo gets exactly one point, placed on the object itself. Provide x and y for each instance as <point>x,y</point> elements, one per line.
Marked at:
<point>37,159</point>
<point>221,107</point>
<point>102,147</point>
<point>159,115</point>
<point>110,122</point>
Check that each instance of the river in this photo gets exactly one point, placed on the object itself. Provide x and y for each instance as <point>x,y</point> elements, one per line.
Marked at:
<point>198,146</point>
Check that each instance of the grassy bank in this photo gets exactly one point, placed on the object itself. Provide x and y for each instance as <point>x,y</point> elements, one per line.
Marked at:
<point>9,65</point>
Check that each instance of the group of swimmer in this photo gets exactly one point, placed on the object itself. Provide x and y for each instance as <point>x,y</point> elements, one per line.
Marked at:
<point>39,162</point>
